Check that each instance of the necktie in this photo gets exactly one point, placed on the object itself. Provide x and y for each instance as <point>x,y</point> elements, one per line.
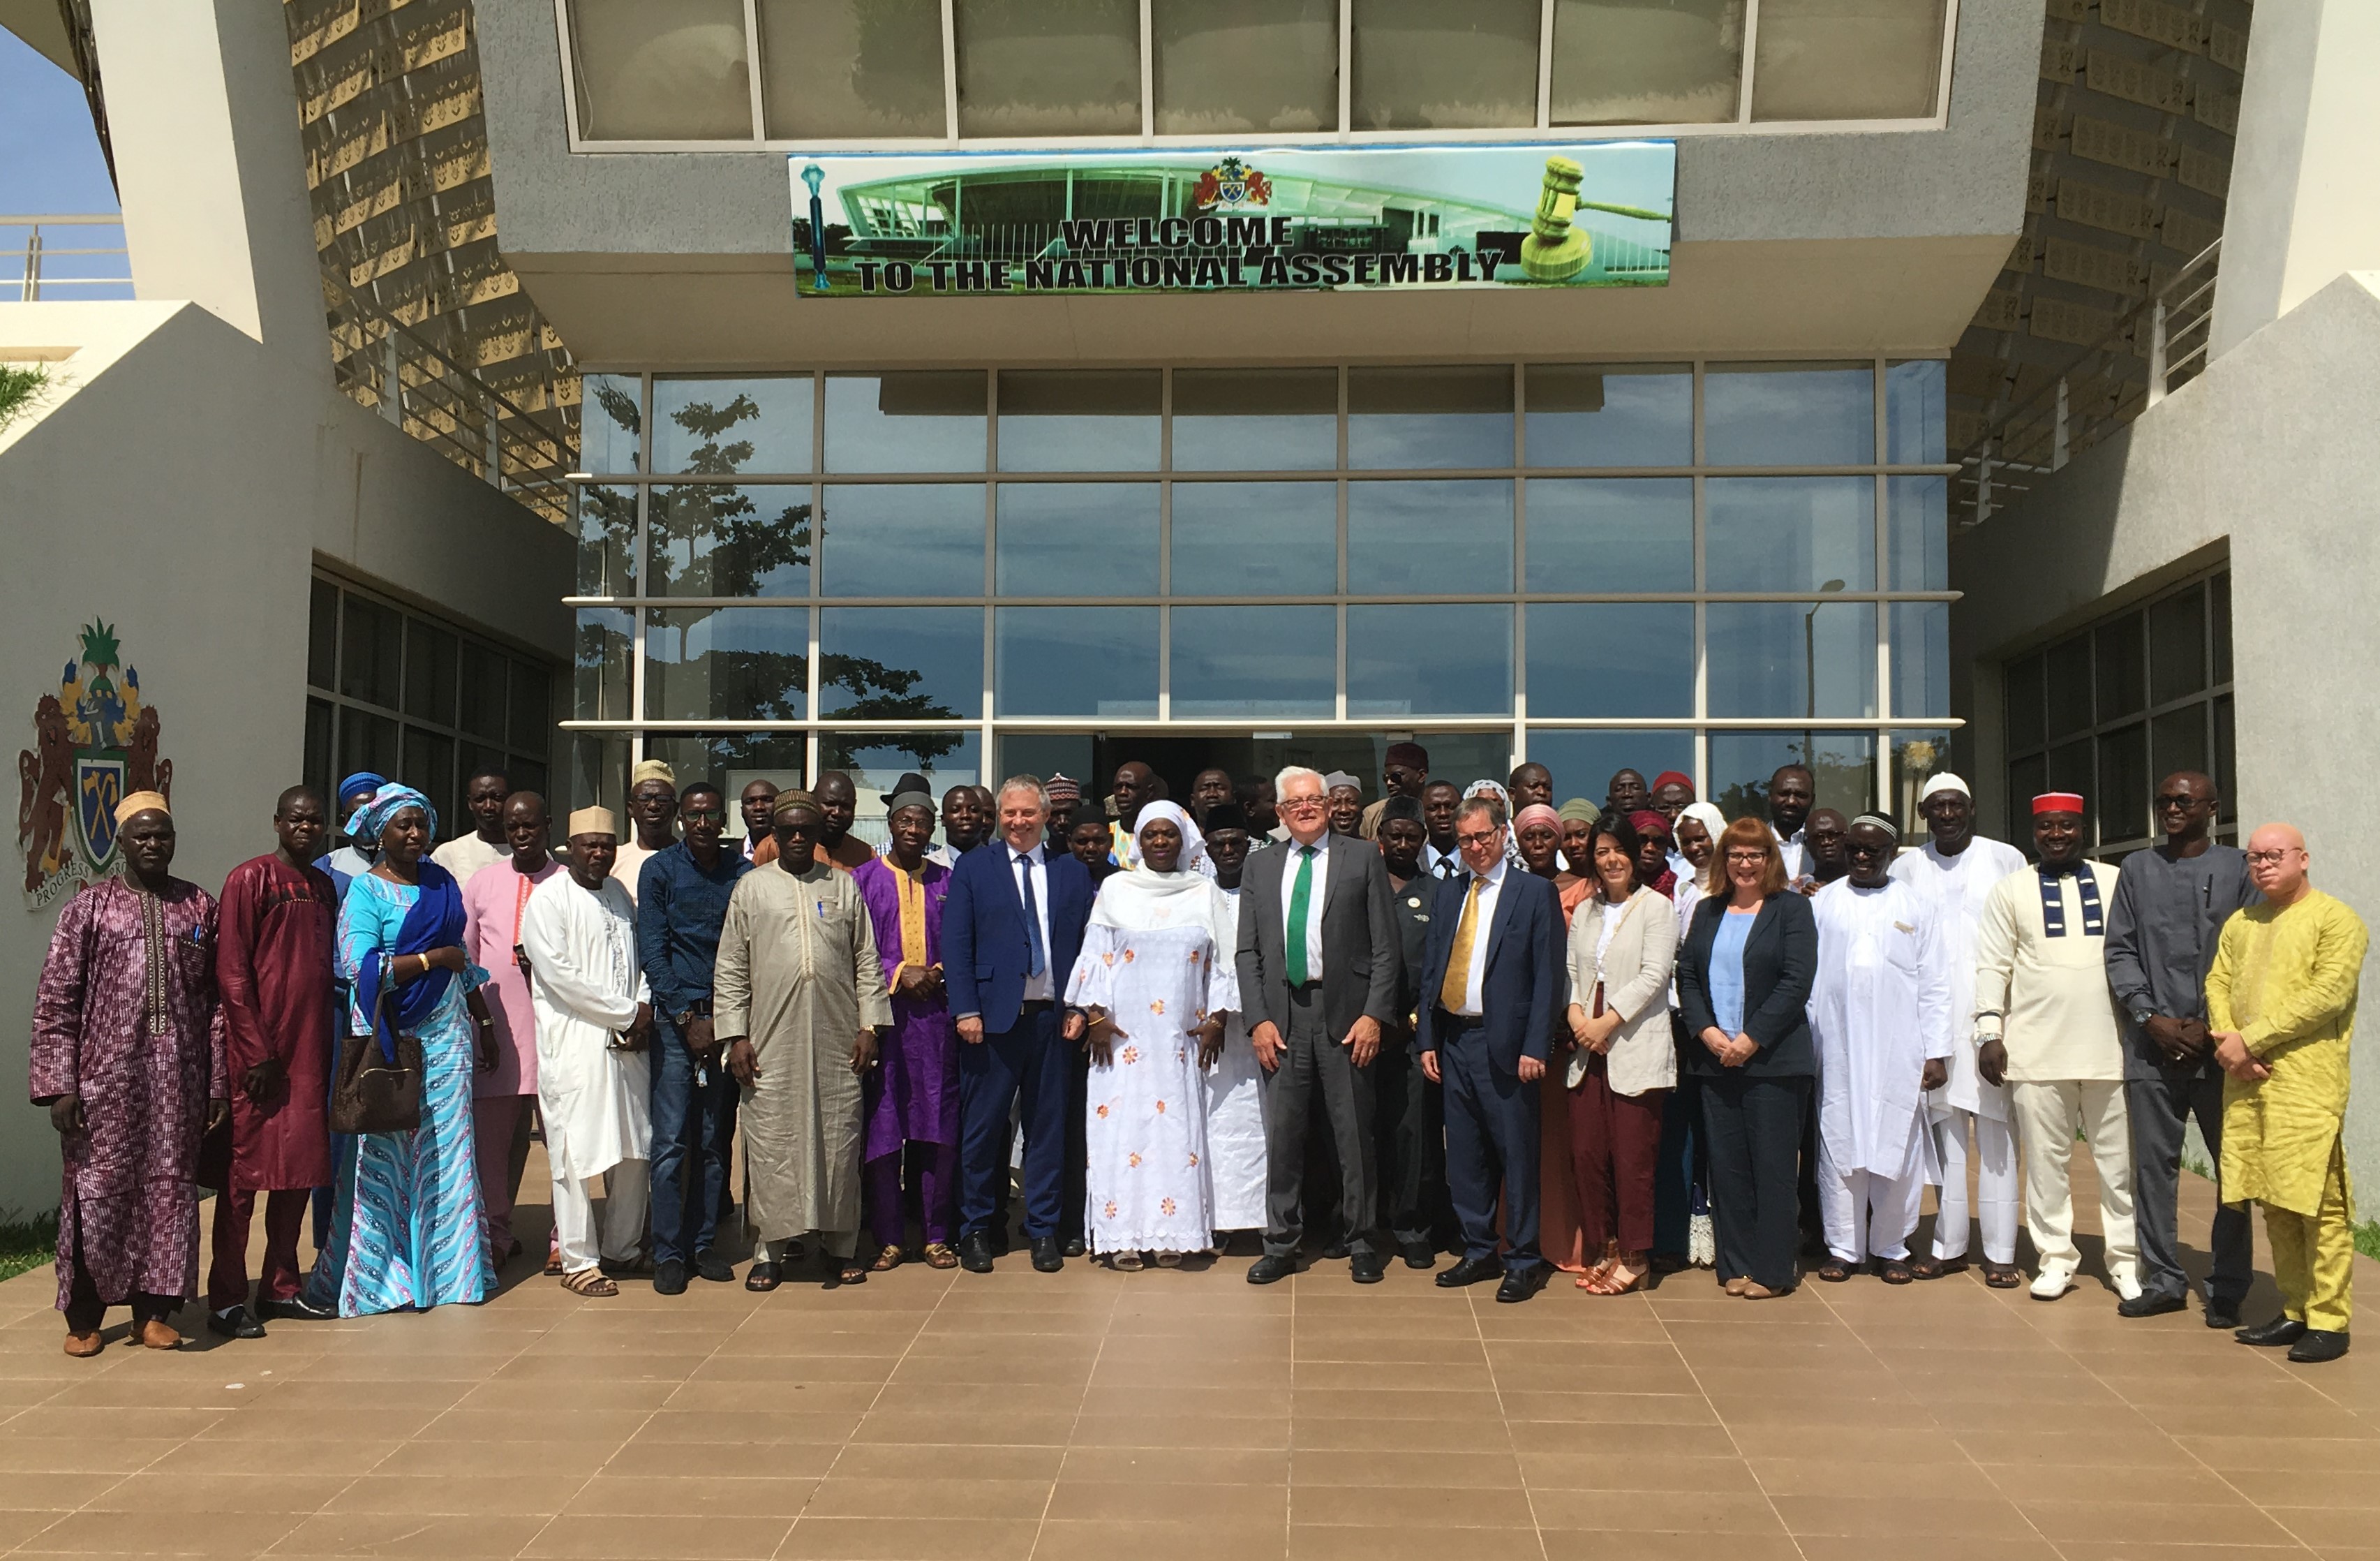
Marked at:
<point>1039,956</point>
<point>1457,984</point>
<point>1301,895</point>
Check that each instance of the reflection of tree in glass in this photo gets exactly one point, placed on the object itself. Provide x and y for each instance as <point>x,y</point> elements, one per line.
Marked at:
<point>602,652</point>
<point>1844,782</point>
<point>620,407</point>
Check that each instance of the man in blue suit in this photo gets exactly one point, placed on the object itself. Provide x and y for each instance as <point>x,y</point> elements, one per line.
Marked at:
<point>1492,988</point>
<point>1010,929</point>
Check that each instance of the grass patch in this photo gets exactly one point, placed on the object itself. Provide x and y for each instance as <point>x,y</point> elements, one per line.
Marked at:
<point>28,1244</point>
<point>2367,1239</point>
<point>20,383</point>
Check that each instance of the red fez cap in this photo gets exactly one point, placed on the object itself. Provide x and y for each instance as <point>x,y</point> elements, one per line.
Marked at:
<point>2057,802</point>
<point>1672,777</point>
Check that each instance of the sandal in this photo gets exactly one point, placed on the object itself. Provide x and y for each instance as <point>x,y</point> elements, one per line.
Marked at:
<point>552,1263</point>
<point>1935,1268</point>
<point>1124,1262</point>
<point>1613,1285</point>
<point>590,1281</point>
<point>763,1277</point>
<point>886,1260</point>
<point>851,1273</point>
<point>1894,1271</point>
<point>2003,1275</point>
<point>1834,1270</point>
<point>1169,1260</point>
<point>1594,1279</point>
<point>941,1254</point>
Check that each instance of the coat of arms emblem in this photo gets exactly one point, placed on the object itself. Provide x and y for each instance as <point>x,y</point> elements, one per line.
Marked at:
<point>1229,185</point>
<point>94,743</point>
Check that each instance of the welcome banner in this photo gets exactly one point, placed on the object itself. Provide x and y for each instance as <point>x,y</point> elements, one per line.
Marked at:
<point>1256,219</point>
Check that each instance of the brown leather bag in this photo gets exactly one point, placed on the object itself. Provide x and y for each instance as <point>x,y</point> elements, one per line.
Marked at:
<point>372,1096</point>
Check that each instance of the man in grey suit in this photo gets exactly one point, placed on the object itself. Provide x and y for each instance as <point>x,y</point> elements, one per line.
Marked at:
<point>1318,961</point>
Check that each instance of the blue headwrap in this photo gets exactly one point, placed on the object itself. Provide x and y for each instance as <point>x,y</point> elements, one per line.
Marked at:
<point>374,816</point>
<point>434,921</point>
<point>362,780</point>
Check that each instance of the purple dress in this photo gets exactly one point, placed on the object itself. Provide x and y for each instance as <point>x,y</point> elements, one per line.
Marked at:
<point>913,1096</point>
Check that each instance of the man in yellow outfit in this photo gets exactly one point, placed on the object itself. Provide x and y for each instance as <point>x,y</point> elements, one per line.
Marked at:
<point>2281,1003</point>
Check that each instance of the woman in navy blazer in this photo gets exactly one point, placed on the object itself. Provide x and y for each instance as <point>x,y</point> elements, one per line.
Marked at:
<point>1743,987</point>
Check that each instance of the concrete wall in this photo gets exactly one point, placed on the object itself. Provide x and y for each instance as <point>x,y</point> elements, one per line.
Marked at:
<point>2267,458</point>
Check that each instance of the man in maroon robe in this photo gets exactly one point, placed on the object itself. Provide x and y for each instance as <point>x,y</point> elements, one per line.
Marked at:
<point>273,969</point>
<point>127,1058</point>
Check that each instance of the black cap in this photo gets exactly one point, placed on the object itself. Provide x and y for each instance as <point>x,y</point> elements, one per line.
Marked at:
<point>1226,815</point>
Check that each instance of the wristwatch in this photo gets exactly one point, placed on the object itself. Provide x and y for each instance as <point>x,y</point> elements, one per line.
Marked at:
<point>2140,1018</point>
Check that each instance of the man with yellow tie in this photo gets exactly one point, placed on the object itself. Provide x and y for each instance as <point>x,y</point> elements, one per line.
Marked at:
<point>1492,990</point>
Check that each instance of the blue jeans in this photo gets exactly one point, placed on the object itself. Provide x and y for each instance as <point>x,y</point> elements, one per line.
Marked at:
<point>693,1124</point>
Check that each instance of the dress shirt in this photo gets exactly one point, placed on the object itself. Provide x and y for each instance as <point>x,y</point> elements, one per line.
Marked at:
<point>1797,860</point>
<point>680,910</point>
<point>1314,897</point>
<point>1485,913</point>
<point>1040,988</point>
<point>1436,864</point>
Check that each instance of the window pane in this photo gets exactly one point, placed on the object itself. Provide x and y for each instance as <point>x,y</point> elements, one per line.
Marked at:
<point>1425,65</point>
<point>926,421</point>
<point>732,761</point>
<point>2218,594</point>
<point>743,664</point>
<point>901,664</point>
<point>2121,679</point>
<point>2178,742</point>
<point>875,760</point>
<point>1917,536</point>
<point>1789,658</point>
<point>837,71</point>
<point>2028,778</point>
<point>531,690</point>
<point>900,539</point>
<point>322,635</point>
<point>1077,539</point>
<point>2226,773</point>
<point>1079,420</point>
<point>713,539</point>
<point>427,766</point>
<point>485,683</point>
<point>607,541</point>
<point>1029,69</point>
<point>758,424</point>
<point>1788,533</point>
<point>1256,420</point>
<point>1788,414</point>
<point>1917,757</point>
<point>366,742</point>
<point>1842,763</point>
<point>1254,539</point>
<point>1920,659</point>
<point>1611,659</point>
<point>2021,694</point>
<point>610,421</point>
<point>317,747</point>
<point>2178,645</point>
<point>1585,760</point>
<point>2066,676</point>
<point>649,72</point>
<point>1847,59</point>
<point>1429,538</point>
<point>1914,411</point>
<point>1583,414</point>
<point>1224,66</point>
<point>1077,660</point>
<point>1617,533</point>
<point>1399,418</point>
<point>601,676</point>
<point>428,672</point>
<point>2123,801</point>
<point>598,771</point>
<point>1254,662</point>
<point>1468,669</point>
<point>1647,62</point>
<point>2071,770</point>
<point>369,636</point>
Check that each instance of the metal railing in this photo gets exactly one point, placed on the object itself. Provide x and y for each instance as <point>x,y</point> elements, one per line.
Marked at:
<point>383,363</point>
<point>2153,347</point>
<point>37,258</point>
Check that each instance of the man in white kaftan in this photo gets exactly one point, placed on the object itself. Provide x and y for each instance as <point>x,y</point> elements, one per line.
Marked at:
<point>594,1014</point>
<point>1956,870</point>
<point>1880,1015</point>
<point>1235,1133</point>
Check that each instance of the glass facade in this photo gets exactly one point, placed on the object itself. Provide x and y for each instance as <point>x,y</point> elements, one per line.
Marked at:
<point>1713,567</point>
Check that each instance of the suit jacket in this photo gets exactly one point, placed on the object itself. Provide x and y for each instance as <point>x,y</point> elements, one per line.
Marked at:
<point>1780,960</point>
<point>1523,988</point>
<point>1360,946</point>
<point>1414,908</point>
<point>986,952</point>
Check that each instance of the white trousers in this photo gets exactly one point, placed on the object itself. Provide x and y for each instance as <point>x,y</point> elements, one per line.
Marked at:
<point>1868,1214</point>
<point>624,1217</point>
<point>1995,1185</point>
<point>2047,1115</point>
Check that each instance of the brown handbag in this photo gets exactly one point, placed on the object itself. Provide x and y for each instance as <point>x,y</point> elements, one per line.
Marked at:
<point>371,1094</point>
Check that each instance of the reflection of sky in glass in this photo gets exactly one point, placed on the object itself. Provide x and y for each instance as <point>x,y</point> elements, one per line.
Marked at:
<point>770,555</point>
<point>943,645</point>
<point>1430,659</point>
<point>608,418</point>
<point>1611,533</point>
<point>1254,662</point>
<point>776,422</point>
<point>1429,538</point>
<point>1646,419</point>
<point>1788,533</point>
<point>1077,539</point>
<point>738,664</point>
<point>1759,665</point>
<point>1611,659</point>
<point>1077,660</point>
<point>898,539</point>
<point>1788,414</point>
<point>1921,658</point>
<point>1255,539</point>
<point>923,421</point>
<point>1917,535</point>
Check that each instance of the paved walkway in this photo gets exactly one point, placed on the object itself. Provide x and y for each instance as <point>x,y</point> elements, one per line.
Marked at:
<point>1156,1415</point>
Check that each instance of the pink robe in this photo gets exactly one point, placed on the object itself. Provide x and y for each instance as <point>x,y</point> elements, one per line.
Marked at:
<point>492,902</point>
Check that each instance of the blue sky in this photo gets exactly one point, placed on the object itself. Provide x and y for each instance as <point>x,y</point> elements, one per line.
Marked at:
<point>49,154</point>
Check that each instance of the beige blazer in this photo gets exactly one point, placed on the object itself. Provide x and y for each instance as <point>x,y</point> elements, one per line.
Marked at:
<point>1635,976</point>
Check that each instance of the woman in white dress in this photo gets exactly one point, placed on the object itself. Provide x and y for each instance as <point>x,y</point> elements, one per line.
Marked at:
<point>1155,976</point>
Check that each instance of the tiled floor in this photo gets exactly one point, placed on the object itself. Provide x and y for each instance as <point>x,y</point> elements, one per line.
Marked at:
<point>1155,1415</point>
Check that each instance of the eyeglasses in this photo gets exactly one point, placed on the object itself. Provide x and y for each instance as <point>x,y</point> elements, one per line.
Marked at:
<point>2178,800</point>
<point>1300,804</point>
<point>695,815</point>
<point>1477,837</point>
<point>1747,857</point>
<point>2270,859</point>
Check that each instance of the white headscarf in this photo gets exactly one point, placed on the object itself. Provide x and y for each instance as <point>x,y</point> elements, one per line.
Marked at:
<point>1714,824</point>
<point>1503,799</point>
<point>1145,900</point>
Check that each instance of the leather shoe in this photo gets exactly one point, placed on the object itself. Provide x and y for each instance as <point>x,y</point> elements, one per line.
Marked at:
<point>1365,1268</point>
<point>1418,1254</point>
<point>156,1333</point>
<point>2319,1345</point>
<point>709,1265</point>
<point>669,1277</point>
<point>2222,1314</point>
<point>1519,1284</point>
<point>1271,1267</point>
<point>1073,1247</point>
<point>1047,1257</point>
<point>2281,1330</point>
<point>235,1325</point>
<point>2152,1303</point>
<point>1470,1271</point>
<point>974,1251</point>
<point>1334,1249</point>
<point>297,1309</point>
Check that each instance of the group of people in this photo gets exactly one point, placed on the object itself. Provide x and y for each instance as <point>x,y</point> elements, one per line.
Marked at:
<point>1615,1038</point>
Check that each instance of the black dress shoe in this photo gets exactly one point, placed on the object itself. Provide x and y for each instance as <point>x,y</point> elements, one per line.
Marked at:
<point>297,1309</point>
<point>1073,1247</point>
<point>237,1325</point>
<point>709,1265</point>
<point>1000,1241</point>
<point>1047,1257</point>
<point>1470,1271</point>
<point>669,1277</point>
<point>1334,1249</point>
<point>2281,1330</point>
<point>1365,1268</point>
<point>1521,1282</point>
<point>2319,1345</point>
<point>974,1251</point>
<point>2152,1303</point>
<point>1418,1254</point>
<point>1271,1267</point>
<point>2222,1314</point>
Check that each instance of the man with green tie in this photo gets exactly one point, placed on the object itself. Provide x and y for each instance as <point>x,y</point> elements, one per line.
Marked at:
<point>1318,951</point>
